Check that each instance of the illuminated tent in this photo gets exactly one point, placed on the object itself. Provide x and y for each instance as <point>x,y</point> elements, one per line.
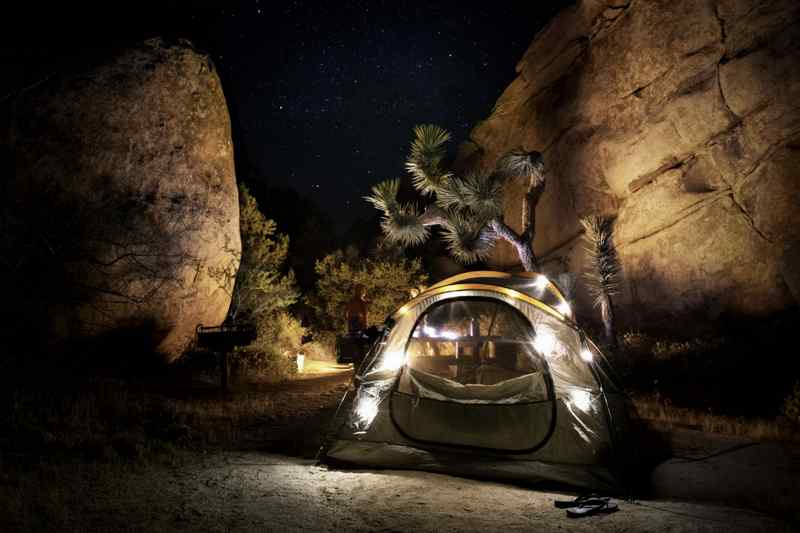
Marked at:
<point>485,374</point>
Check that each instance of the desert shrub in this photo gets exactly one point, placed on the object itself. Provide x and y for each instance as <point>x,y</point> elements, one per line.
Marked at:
<point>251,363</point>
<point>635,343</point>
<point>321,348</point>
<point>636,346</point>
<point>262,292</point>
<point>271,356</point>
<point>284,333</point>
<point>261,286</point>
<point>791,405</point>
<point>387,279</point>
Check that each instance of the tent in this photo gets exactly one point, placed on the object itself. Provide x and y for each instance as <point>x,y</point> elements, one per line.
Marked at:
<point>486,374</point>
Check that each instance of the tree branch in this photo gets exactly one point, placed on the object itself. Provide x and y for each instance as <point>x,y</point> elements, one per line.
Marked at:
<point>529,202</point>
<point>434,216</point>
<point>522,245</point>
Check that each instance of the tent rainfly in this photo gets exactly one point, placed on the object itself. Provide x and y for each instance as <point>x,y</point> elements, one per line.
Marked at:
<point>485,374</point>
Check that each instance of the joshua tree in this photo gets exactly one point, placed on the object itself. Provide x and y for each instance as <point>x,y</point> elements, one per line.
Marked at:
<point>469,208</point>
<point>603,275</point>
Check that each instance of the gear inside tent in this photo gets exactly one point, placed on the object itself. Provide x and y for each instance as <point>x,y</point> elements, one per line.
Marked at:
<point>486,374</point>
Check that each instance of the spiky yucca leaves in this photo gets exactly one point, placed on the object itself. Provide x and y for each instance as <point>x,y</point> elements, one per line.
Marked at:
<point>401,222</point>
<point>521,163</point>
<point>479,193</point>
<point>453,196</point>
<point>603,275</point>
<point>468,237</point>
<point>384,195</point>
<point>425,159</point>
<point>404,226</point>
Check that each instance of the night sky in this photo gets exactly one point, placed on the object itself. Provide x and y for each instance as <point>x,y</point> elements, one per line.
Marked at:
<point>323,96</point>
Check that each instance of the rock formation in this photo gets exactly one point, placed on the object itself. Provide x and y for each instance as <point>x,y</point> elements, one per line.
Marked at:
<point>122,199</point>
<point>681,119</point>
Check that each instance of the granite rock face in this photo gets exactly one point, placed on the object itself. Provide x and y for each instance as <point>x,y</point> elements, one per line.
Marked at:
<point>126,172</point>
<point>681,119</point>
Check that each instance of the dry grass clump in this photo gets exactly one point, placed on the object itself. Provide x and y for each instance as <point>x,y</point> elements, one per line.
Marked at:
<point>226,422</point>
<point>734,384</point>
<point>100,421</point>
<point>638,344</point>
<point>109,421</point>
<point>663,415</point>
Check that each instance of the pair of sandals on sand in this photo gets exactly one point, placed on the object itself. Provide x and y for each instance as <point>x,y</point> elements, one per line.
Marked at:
<point>588,505</point>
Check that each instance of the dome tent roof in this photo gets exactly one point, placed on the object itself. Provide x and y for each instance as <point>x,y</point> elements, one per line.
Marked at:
<point>525,286</point>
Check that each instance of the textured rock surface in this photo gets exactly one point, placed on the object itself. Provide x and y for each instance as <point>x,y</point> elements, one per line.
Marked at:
<point>127,172</point>
<point>680,118</point>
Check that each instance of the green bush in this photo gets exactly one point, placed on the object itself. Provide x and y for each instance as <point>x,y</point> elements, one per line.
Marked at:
<point>271,356</point>
<point>388,281</point>
<point>324,346</point>
<point>262,291</point>
<point>251,363</point>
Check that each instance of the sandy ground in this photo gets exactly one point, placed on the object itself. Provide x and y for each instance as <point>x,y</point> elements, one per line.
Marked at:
<point>251,491</point>
<point>762,476</point>
<point>714,484</point>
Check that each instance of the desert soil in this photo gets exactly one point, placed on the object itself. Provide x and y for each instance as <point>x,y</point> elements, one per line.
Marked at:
<point>279,487</point>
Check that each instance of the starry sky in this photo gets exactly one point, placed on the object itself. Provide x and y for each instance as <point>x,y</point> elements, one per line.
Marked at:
<point>323,95</point>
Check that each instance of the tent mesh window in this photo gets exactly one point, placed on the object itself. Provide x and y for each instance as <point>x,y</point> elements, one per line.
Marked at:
<point>473,342</point>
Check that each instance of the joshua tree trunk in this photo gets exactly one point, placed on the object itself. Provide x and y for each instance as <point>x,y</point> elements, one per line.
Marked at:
<point>535,188</point>
<point>521,244</point>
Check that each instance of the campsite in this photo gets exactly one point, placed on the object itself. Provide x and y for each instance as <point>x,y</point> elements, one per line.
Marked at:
<point>400,266</point>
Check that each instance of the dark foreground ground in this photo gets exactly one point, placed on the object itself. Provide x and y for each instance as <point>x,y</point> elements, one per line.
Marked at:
<point>252,491</point>
<point>260,475</point>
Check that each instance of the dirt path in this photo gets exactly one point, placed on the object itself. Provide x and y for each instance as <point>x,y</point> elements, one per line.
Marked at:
<point>302,409</point>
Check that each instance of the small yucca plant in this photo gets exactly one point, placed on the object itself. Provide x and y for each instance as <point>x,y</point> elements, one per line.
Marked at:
<point>602,277</point>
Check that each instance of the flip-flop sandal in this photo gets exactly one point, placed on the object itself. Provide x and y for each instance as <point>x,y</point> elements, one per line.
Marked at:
<point>580,500</point>
<point>589,509</point>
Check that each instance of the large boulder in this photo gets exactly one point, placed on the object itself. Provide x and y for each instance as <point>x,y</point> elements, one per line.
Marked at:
<point>679,118</point>
<point>122,201</point>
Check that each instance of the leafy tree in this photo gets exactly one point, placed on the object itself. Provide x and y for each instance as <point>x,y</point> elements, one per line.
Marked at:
<point>603,275</point>
<point>469,208</point>
<point>261,294</point>
<point>261,287</point>
<point>388,281</point>
<point>280,336</point>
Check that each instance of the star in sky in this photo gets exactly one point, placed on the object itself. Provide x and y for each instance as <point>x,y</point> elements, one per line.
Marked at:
<point>320,92</point>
